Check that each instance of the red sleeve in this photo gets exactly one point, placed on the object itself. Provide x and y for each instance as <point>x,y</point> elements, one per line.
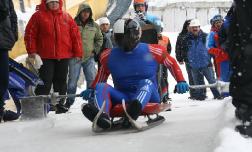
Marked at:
<point>103,72</point>
<point>219,54</point>
<point>162,57</point>
<point>76,38</point>
<point>31,32</point>
<point>214,51</point>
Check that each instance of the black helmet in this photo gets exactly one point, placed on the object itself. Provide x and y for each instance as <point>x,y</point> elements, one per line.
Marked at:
<point>127,33</point>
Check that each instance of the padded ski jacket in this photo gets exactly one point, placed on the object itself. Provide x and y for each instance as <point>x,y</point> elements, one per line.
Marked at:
<point>8,25</point>
<point>197,52</point>
<point>181,49</point>
<point>91,35</point>
<point>240,53</point>
<point>52,34</point>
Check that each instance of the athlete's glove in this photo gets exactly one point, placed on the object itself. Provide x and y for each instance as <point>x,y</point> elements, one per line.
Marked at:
<point>87,94</point>
<point>181,87</point>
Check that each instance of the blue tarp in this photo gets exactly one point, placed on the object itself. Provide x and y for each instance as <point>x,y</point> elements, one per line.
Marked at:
<point>20,78</point>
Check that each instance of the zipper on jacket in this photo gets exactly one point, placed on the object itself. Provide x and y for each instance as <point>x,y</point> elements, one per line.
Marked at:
<point>54,36</point>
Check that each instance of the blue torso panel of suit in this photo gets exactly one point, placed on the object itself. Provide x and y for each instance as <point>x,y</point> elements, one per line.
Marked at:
<point>128,68</point>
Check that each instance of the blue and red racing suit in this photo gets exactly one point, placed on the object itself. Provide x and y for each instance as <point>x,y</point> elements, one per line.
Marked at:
<point>133,74</point>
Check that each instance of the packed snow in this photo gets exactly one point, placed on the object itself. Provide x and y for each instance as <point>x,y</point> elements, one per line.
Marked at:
<point>191,126</point>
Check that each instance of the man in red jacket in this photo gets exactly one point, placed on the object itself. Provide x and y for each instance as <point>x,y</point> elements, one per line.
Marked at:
<point>54,36</point>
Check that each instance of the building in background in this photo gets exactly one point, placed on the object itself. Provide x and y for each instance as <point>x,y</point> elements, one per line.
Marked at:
<point>174,12</point>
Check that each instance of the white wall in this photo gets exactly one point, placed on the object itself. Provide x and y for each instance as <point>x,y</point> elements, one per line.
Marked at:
<point>174,14</point>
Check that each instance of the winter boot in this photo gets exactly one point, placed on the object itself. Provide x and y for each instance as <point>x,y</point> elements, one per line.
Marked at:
<point>67,105</point>
<point>244,130</point>
<point>10,115</point>
<point>243,112</point>
<point>166,98</point>
<point>60,108</point>
<point>90,111</point>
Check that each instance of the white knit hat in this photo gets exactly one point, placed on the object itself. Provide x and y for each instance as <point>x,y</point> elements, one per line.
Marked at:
<point>104,20</point>
<point>194,22</point>
<point>48,1</point>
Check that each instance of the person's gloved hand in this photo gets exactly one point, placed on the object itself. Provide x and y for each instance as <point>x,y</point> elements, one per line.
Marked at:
<point>181,87</point>
<point>87,94</point>
<point>141,15</point>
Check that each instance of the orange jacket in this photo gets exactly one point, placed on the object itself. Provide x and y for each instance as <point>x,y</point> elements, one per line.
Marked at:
<point>165,42</point>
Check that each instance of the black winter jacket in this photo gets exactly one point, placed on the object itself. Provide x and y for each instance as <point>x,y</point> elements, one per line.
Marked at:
<point>181,49</point>
<point>8,25</point>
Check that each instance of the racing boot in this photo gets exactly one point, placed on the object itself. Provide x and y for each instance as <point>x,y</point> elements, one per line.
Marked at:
<point>134,109</point>
<point>90,111</point>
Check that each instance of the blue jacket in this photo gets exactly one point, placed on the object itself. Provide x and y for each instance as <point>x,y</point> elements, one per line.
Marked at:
<point>197,52</point>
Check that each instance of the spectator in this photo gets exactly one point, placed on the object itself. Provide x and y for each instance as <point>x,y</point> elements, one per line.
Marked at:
<point>151,25</point>
<point>220,55</point>
<point>166,43</point>
<point>104,24</point>
<point>221,59</point>
<point>8,37</point>
<point>54,36</point>
<point>181,56</point>
<point>239,48</point>
<point>199,59</point>
<point>92,41</point>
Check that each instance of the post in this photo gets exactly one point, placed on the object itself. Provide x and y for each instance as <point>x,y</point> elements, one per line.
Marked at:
<point>22,6</point>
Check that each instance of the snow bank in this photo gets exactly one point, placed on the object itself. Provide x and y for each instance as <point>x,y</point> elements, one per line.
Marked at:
<point>232,141</point>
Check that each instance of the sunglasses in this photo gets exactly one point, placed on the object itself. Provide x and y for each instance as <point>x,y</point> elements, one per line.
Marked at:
<point>54,2</point>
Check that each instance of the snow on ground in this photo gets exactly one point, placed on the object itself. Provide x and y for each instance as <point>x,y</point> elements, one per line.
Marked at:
<point>191,126</point>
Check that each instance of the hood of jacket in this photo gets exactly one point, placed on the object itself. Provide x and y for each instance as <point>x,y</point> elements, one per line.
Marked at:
<point>80,9</point>
<point>42,6</point>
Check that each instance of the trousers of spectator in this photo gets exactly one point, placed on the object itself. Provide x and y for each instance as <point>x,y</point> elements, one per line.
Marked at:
<point>193,92</point>
<point>208,73</point>
<point>4,74</point>
<point>53,72</point>
<point>75,66</point>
